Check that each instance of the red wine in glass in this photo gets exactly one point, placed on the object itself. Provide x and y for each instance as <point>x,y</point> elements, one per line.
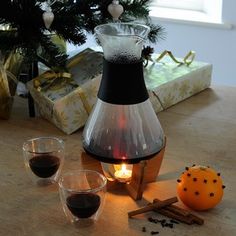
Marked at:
<point>44,166</point>
<point>83,205</point>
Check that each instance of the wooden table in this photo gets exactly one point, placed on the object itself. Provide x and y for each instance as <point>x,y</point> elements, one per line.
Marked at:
<point>200,130</point>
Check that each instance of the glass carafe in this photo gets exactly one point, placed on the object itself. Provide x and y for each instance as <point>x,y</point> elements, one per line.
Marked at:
<point>123,127</point>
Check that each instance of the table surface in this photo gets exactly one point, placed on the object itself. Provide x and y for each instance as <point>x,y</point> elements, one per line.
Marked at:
<point>200,130</point>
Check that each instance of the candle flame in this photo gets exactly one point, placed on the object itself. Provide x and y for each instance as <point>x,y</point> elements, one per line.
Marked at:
<point>123,168</point>
<point>123,173</point>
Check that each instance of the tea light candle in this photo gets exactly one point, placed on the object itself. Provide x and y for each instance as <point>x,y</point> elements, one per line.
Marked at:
<point>123,175</point>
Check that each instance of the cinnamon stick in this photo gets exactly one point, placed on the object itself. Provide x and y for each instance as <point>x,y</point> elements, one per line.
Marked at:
<point>178,210</point>
<point>174,209</point>
<point>175,216</point>
<point>178,213</point>
<point>197,219</point>
<point>153,206</point>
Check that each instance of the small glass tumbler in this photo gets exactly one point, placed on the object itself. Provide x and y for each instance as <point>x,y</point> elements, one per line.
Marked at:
<point>82,195</point>
<point>44,157</point>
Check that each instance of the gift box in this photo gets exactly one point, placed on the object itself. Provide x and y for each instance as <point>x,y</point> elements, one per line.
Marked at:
<point>67,101</point>
<point>10,65</point>
<point>68,104</point>
<point>171,80</point>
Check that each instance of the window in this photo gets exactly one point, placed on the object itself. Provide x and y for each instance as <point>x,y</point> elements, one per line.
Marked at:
<point>190,10</point>
<point>196,5</point>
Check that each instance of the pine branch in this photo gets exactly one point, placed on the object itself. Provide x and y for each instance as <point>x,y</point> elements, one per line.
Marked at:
<point>135,9</point>
<point>8,40</point>
<point>71,21</point>
<point>49,48</point>
<point>156,33</point>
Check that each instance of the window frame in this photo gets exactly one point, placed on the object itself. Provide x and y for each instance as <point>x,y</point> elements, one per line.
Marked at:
<point>194,5</point>
<point>210,11</point>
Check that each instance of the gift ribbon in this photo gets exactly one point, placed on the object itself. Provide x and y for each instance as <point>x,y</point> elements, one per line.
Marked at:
<point>6,74</point>
<point>79,57</point>
<point>51,79</point>
<point>11,76</point>
<point>83,98</point>
<point>187,60</point>
<point>4,88</point>
<point>58,79</point>
<point>75,61</point>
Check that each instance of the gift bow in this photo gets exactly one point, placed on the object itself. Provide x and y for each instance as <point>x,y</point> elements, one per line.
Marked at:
<point>187,60</point>
<point>56,81</point>
<point>50,78</point>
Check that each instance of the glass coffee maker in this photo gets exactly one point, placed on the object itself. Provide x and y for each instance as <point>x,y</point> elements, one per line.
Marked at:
<point>123,127</point>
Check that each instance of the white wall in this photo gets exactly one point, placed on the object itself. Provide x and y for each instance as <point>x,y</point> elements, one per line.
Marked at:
<point>214,45</point>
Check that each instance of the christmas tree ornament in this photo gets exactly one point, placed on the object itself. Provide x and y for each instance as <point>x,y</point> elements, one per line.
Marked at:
<point>48,18</point>
<point>115,9</point>
<point>48,15</point>
<point>200,187</point>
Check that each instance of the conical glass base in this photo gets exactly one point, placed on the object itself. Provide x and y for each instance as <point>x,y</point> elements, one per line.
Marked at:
<point>129,133</point>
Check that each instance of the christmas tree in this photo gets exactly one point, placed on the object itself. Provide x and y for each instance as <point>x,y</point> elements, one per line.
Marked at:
<point>30,34</point>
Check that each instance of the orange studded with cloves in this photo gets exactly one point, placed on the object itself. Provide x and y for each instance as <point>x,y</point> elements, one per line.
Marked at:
<point>200,187</point>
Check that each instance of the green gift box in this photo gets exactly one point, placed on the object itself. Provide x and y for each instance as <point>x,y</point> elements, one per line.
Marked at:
<point>169,82</point>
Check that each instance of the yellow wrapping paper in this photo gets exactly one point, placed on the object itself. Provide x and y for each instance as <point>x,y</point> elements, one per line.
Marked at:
<point>4,88</point>
<point>5,96</point>
<point>9,68</point>
<point>66,99</point>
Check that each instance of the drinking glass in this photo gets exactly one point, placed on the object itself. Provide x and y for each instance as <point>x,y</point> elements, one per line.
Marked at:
<point>82,195</point>
<point>44,157</point>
